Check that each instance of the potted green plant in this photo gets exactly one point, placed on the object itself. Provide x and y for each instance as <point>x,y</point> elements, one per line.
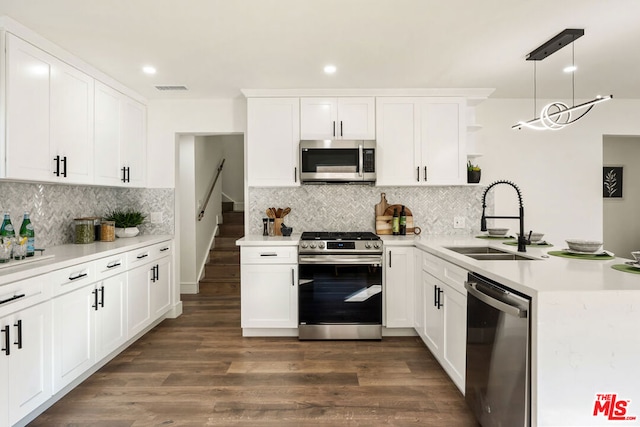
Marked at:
<point>473,173</point>
<point>126,221</point>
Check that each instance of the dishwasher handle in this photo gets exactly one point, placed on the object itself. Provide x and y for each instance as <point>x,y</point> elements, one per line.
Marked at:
<point>472,288</point>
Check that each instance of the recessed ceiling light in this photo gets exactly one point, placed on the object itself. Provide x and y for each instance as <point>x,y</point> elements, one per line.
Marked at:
<point>330,69</point>
<point>148,69</point>
<point>570,69</point>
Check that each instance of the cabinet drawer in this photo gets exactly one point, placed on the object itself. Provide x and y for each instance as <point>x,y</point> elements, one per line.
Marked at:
<point>148,254</point>
<point>445,271</point>
<point>269,255</point>
<point>109,266</point>
<point>19,295</point>
<point>71,278</point>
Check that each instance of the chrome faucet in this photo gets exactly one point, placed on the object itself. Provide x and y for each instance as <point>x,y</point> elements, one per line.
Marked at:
<point>522,240</point>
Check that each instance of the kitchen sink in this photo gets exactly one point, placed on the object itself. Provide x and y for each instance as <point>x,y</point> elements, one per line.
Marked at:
<point>486,253</point>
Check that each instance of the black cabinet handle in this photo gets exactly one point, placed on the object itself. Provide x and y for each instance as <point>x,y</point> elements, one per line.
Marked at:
<point>389,259</point>
<point>18,325</point>
<point>293,278</point>
<point>435,296</point>
<point>95,299</point>
<point>64,166</point>
<point>341,134</point>
<point>157,272</point>
<point>418,174</point>
<point>79,276</point>
<point>13,298</point>
<point>102,296</point>
<point>334,128</point>
<point>295,174</point>
<point>440,291</point>
<point>164,249</point>
<point>57,160</point>
<point>425,173</point>
<point>115,264</point>
<point>142,256</point>
<point>124,174</point>
<point>7,341</point>
<point>128,174</point>
<point>153,274</point>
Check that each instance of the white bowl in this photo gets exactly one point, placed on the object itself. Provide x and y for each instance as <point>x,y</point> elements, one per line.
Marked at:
<point>584,245</point>
<point>497,231</point>
<point>636,256</point>
<point>535,237</point>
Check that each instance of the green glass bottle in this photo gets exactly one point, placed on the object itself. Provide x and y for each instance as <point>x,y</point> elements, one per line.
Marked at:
<point>7,228</point>
<point>26,230</point>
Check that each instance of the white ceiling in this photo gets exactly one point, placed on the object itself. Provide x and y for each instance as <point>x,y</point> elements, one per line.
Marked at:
<point>217,47</point>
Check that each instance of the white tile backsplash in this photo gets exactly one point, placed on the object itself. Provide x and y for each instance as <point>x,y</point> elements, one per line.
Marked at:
<point>339,207</point>
<point>53,207</point>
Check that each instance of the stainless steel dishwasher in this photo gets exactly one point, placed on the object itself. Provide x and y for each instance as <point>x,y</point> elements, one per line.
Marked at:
<point>497,387</point>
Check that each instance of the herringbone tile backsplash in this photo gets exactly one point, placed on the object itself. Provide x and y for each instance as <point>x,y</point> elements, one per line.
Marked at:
<point>52,207</point>
<point>352,207</point>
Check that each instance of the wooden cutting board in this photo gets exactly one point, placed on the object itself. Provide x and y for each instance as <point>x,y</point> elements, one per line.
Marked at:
<point>384,222</point>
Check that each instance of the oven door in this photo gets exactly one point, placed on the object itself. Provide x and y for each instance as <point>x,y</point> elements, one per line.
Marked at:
<point>339,290</point>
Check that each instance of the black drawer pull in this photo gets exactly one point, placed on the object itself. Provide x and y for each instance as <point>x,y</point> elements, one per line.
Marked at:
<point>269,254</point>
<point>164,249</point>
<point>13,298</point>
<point>102,296</point>
<point>79,276</point>
<point>7,341</point>
<point>18,325</point>
<point>115,264</point>
<point>142,256</point>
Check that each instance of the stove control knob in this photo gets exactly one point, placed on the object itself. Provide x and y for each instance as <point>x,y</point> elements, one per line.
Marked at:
<point>376,245</point>
<point>303,245</point>
<point>367,245</point>
<point>321,245</point>
<point>312,245</point>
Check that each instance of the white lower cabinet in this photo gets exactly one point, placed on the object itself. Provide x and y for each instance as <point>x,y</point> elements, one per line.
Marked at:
<point>111,330</point>
<point>25,362</point>
<point>269,291</point>
<point>139,299</point>
<point>160,287</point>
<point>441,315</point>
<point>399,287</point>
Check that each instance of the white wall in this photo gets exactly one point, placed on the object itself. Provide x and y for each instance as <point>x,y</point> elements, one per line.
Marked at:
<point>208,155</point>
<point>621,219</point>
<point>559,172</point>
<point>233,171</point>
<point>187,202</point>
<point>167,118</point>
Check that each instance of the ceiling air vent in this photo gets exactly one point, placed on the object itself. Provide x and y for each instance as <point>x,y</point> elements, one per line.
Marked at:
<point>171,87</point>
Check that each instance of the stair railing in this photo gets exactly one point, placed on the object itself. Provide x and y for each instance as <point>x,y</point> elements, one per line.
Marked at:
<point>206,201</point>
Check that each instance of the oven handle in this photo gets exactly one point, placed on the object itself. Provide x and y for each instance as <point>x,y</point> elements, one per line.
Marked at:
<point>375,260</point>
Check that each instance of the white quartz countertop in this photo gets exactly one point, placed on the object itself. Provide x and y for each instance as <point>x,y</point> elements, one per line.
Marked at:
<point>72,254</point>
<point>547,273</point>
<point>258,240</point>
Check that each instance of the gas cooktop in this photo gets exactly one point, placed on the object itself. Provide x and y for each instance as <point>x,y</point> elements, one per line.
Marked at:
<point>339,235</point>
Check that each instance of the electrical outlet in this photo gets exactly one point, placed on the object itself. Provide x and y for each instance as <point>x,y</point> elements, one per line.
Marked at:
<point>156,218</point>
<point>458,222</point>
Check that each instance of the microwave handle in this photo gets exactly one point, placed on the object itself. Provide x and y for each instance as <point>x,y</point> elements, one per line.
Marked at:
<point>360,159</point>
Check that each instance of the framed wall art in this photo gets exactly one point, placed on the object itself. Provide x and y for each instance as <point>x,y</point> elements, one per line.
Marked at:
<point>612,182</point>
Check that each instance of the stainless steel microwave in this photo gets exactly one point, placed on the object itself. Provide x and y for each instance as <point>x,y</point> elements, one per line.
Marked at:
<point>338,161</point>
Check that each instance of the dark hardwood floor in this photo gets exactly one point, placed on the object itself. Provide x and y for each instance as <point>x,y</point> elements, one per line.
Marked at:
<point>198,370</point>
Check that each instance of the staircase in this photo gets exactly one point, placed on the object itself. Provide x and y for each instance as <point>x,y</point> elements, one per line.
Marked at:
<point>222,272</point>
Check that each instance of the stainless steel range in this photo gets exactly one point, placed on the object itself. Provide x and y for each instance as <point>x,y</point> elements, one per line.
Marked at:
<point>340,286</point>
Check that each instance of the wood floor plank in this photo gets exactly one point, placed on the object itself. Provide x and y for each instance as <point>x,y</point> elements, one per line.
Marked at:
<point>198,370</point>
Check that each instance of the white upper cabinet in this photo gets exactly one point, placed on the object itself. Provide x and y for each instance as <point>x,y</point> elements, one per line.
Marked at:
<point>273,138</point>
<point>120,139</point>
<point>421,141</point>
<point>49,116</point>
<point>337,118</point>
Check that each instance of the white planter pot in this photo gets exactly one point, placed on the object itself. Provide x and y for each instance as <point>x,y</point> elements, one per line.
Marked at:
<point>127,232</point>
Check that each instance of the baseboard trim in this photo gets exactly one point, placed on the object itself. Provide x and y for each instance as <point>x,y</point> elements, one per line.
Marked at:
<point>189,288</point>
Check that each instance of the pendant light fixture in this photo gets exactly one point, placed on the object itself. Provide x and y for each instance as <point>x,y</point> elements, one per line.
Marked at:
<point>556,115</point>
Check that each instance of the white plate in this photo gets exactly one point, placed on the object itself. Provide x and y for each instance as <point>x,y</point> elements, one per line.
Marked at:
<point>600,252</point>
